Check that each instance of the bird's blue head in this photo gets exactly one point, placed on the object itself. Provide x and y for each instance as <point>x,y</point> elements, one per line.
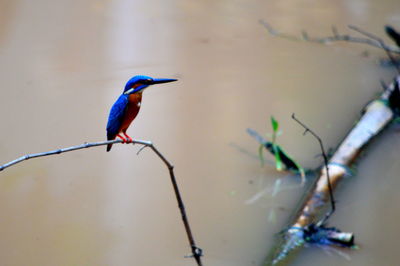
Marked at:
<point>139,83</point>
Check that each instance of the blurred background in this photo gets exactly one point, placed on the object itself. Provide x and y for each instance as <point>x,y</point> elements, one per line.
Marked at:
<point>63,64</point>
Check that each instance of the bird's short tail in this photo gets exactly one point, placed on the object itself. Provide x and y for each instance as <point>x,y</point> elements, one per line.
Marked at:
<point>110,137</point>
<point>109,147</point>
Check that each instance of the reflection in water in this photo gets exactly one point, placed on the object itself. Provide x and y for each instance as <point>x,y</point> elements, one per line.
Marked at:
<point>63,64</point>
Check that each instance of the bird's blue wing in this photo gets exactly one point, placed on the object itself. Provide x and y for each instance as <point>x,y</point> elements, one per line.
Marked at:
<point>115,117</point>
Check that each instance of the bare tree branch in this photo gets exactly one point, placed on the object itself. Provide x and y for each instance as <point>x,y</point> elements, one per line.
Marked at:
<point>381,43</point>
<point>336,37</point>
<point>196,251</point>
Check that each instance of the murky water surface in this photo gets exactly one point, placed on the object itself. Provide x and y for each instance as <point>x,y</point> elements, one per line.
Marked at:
<point>62,65</point>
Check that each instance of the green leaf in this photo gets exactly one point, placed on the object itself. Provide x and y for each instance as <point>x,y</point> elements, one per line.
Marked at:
<point>275,124</point>
<point>278,161</point>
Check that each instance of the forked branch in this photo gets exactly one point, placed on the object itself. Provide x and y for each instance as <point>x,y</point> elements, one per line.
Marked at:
<point>196,251</point>
<point>336,37</point>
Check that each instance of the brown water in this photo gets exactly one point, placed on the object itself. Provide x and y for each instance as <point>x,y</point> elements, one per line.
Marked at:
<point>62,65</point>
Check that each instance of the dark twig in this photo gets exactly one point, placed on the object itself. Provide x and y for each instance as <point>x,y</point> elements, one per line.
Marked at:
<point>307,129</point>
<point>393,34</point>
<point>336,37</point>
<point>381,43</point>
<point>196,251</point>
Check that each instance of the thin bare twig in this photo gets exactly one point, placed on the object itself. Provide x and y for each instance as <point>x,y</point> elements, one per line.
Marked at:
<point>336,37</point>
<point>381,43</point>
<point>196,251</point>
<point>333,207</point>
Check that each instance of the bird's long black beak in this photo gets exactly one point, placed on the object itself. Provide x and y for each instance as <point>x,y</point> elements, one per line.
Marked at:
<point>159,81</point>
<point>148,82</point>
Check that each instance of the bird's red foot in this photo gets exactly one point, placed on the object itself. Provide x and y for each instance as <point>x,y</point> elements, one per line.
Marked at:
<point>128,139</point>
<point>122,138</point>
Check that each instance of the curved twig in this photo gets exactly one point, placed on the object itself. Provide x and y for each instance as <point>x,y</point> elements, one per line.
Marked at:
<point>196,251</point>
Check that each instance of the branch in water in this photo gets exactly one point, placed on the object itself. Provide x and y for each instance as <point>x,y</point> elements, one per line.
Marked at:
<point>196,251</point>
<point>336,37</point>
<point>306,223</point>
<point>381,43</point>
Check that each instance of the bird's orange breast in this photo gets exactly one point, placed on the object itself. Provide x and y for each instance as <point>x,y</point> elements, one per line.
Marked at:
<point>134,102</point>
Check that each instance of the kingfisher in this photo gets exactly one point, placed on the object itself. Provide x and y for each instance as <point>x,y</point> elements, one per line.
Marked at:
<point>127,106</point>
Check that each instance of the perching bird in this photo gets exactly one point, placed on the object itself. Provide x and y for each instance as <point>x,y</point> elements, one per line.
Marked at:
<point>127,107</point>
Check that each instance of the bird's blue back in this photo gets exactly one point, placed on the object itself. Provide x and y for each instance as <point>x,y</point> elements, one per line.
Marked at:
<point>116,115</point>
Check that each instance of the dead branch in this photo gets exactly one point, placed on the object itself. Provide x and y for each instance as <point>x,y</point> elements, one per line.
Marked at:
<point>377,115</point>
<point>381,43</point>
<point>196,251</point>
<point>336,37</point>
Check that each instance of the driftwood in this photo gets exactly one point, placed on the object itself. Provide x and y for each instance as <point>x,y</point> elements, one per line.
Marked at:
<point>377,115</point>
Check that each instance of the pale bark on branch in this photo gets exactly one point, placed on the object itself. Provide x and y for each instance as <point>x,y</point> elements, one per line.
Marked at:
<point>377,115</point>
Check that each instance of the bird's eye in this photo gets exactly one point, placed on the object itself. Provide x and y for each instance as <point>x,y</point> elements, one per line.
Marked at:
<point>145,81</point>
